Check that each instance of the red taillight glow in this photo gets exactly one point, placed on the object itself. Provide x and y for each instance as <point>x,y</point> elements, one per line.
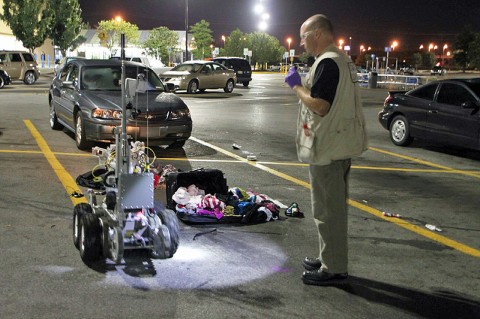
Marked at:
<point>388,99</point>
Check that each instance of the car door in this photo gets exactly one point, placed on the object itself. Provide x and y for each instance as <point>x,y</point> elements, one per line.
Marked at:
<point>416,105</point>
<point>67,93</point>
<point>220,75</point>
<point>450,121</point>
<point>207,79</point>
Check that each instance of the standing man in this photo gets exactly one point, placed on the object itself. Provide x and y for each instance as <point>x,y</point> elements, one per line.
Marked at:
<point>330,131</point>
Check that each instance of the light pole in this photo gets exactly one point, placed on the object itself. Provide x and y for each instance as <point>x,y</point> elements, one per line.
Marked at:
<point>186,30</point>
<point>224,39</point>
<point>443,54</point>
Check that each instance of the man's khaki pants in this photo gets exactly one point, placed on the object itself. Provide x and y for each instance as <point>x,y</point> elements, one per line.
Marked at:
<point>329,205</point>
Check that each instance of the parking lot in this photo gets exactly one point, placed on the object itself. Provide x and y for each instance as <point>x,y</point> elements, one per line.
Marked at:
<point>399,267</point>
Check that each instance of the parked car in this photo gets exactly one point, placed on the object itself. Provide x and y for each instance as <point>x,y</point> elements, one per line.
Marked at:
<point>85,98</point>
<point>274,68</point>
<point>20,66</point>
<point>438,70</point>
<point>407,70</point>
<point>155,65</point>
<point>60,64</point>
<point>444,111</point>
<point>196,76</point>
<point>4,79</point>
<point>242,68</point>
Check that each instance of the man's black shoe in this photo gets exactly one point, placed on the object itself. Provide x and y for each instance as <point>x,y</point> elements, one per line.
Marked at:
<point>312,263</point>
<point>322,278</point>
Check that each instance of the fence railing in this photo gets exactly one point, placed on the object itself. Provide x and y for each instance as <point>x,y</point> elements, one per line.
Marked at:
<point>392,81</point>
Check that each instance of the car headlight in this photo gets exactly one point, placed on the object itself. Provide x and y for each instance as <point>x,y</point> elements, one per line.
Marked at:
<point>178,114</point>
<point>106,114</point>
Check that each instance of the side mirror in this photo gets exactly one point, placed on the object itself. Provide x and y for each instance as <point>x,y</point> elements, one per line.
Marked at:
<point>469,105</point>
<point>170,87</point>
<point>68,84</point>
<point>474,106</point>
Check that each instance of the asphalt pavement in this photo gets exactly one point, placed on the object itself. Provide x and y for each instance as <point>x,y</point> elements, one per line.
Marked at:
<point>398,267</point>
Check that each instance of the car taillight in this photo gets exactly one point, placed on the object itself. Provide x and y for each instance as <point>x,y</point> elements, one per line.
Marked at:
<point>388,99</point>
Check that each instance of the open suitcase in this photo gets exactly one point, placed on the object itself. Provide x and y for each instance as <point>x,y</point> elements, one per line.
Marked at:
<point>212,181</point>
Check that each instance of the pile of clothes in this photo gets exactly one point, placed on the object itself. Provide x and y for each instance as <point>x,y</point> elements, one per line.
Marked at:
<point>250,207</point>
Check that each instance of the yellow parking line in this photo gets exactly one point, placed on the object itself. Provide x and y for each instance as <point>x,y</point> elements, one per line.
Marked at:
<point>400,222</point>
<point>427,163</point>
<point>419,230</point>
<point>65,178</point>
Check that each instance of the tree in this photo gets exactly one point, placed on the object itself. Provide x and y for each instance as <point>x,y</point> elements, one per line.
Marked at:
<point>235,43</point>
<point>461,54</point>
<point>417,59</point>
<point>29,21</point>
<point>266,49</point>
<point>158,42</point>
<point>66,24</point>
<point>429,59</point>
<point>114,28</point>
<point>203,39</point>
<point>474,49</point>
<point>304,57</point>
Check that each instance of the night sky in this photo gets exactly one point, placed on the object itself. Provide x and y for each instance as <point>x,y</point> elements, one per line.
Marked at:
<point>371,23</point>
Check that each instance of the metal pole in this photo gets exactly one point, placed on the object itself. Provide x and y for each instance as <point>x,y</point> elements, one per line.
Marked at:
<point>186,30</point>
<point>386,62</point>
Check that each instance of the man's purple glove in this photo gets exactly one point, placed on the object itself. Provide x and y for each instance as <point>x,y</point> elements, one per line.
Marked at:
<point>293,78</point>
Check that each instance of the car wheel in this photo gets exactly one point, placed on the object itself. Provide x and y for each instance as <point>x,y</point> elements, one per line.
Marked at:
<point>54,124</point>
<point>80,138</point>
<point>192,87</point>
<point>246,83</point>
<point>400,131</point>
<point>229,86</point>
<point>29,78</point>
<point>2,82</point>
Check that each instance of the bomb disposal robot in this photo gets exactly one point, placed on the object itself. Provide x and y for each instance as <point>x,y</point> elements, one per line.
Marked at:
<point>121,213</point>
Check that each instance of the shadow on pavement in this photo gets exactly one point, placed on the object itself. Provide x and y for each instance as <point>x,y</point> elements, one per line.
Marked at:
<point>438,304</point>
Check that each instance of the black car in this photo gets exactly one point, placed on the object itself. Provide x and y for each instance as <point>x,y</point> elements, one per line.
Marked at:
<point>4,79</point>
<point>85,98</point>
<point>445,111</point>
<point>241,67</point>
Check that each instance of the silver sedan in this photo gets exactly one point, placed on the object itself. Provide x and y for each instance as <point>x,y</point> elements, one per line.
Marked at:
<point>194,76</point>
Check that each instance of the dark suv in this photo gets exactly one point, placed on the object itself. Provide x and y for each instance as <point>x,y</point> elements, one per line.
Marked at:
<point>240,66</point>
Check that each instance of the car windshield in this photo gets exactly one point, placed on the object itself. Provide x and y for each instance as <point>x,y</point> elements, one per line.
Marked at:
<point>189,67</point>
<point>107,78</point>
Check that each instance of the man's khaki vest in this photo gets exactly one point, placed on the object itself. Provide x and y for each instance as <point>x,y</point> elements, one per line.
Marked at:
<point>340,134</point>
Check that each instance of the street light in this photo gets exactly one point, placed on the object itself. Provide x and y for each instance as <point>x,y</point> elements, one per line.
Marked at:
<point>289,41</point>
<point>394,45</point>
<point>340,43</point>
<point>224,39</point>
<point>259,9</point>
